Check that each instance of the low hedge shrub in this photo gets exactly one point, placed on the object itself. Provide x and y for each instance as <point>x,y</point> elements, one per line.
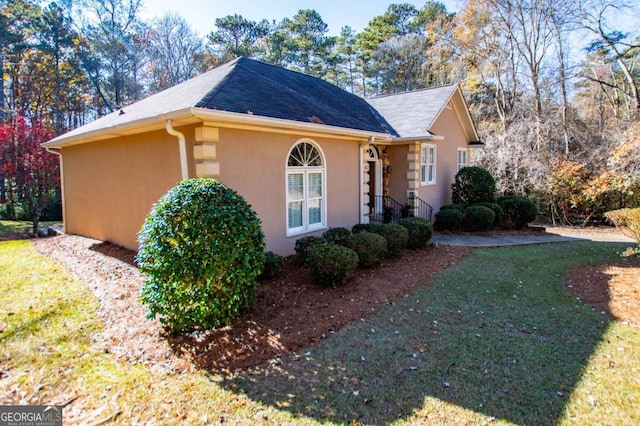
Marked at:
<point>478,218</point>
<point>337,235</point>
<point>371,248</point>
<point>420,231</point>
<point>497,211</point>
<point>272,265</point>
<point>396,236</point>
<point>518,211</point>
<point>331,263</point>
<point>304,245</point>
<point>364,227</point>
<point>448,220</point>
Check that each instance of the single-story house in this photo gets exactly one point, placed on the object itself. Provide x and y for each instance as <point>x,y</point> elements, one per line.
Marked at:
<point>304,153</point>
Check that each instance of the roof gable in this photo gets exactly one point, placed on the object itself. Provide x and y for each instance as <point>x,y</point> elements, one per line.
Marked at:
<point>412,114</point>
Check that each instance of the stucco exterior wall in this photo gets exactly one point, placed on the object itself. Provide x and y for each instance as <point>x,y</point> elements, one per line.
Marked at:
<point>110,186</point>
<point>447,125</point>
<point>254,164</point>
<point>398,182</point>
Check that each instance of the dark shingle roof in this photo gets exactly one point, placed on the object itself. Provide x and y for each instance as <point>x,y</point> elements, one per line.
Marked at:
<point>274,92</point>
<point>413,113</point>
<point>244,86</point>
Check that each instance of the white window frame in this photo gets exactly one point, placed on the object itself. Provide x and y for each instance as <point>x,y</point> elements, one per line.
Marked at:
<point>465,153</point>
<point>428,165</point>
<point>306,171</point>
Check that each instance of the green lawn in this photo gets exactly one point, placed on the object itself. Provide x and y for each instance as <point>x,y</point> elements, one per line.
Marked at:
<point>493,339</point>
<point>9,228</point>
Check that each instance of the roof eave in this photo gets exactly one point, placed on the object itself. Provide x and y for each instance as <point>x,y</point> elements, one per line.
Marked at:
<point>179,118</point>
<point>196,115</point>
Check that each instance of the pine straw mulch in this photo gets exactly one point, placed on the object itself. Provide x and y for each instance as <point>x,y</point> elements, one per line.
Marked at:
<point>613,290</point>
<point>290,311</point>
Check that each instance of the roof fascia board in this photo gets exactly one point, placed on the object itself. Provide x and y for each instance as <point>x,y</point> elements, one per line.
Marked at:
<point>179,118</point>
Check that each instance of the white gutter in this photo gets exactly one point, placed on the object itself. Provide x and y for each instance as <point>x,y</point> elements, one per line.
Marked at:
<point>64,205</point>
<point>183,149</point>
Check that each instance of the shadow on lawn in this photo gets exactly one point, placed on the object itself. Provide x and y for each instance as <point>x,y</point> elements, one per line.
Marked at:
<point>508,343</point>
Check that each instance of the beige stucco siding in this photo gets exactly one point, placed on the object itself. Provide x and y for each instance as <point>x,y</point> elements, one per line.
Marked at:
<point>110,186</point>
<point>254,164</point>
<point>447,125</point>
<point>398,181</point>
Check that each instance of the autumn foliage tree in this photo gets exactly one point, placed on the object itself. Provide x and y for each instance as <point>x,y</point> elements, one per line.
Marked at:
<point>31,174</point>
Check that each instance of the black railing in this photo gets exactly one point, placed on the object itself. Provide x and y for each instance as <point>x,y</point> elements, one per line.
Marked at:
<point>387,210</point>
<point>420,208</point>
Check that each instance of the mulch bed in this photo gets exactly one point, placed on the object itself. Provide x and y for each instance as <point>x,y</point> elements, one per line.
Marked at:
<point>290,312</point>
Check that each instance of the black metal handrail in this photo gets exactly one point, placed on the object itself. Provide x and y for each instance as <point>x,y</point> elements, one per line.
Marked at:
<point>420,208</point>
<point>385,209</point>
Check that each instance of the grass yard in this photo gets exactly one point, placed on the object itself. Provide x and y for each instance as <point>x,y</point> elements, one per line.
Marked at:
<point>494,339</point>
<point>21,228</point>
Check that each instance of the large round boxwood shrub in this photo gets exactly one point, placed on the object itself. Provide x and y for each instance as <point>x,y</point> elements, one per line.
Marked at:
<point>371,248</point>
<point>473,185</point>
<point>332,263</point>
<point>420,231</point>
<point>201,249</point>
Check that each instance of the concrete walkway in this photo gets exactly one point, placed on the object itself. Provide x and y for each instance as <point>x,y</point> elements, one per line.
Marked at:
<point>558,235</point>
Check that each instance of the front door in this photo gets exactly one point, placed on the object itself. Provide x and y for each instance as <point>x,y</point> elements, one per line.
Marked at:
<point>375,185</point>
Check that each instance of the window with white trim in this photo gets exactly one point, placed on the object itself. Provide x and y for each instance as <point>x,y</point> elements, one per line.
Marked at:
<point>428,164</point>
<point>462,158</point>
<point>306,201</point>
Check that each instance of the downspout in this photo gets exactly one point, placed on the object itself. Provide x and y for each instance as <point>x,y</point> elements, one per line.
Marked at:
<point>361,158</point>
<point>64,205</point>
<point>183,149</point>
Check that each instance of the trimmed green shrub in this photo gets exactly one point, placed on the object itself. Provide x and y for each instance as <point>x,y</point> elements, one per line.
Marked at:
<point>452,206</point>
<point>201,249</point>
<point>478,218</point>
<point>336,235</point>
<point>305,244</point>
<point>272,265</point>
<point>473,185</point>
<point>396,236</point>
<point>448,220</point>
<point>518,211</point>
<point>497,211</point>
<point>331,263</point>
<point>420,231</point>
<point>371,248</point>
<point>364,227</point>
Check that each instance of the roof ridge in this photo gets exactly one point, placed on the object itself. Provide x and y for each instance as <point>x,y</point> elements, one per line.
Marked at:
<point>424,89</point>
<point>289,89</point>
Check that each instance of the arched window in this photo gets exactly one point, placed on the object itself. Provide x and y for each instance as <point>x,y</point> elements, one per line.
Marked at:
<point>306,198</point>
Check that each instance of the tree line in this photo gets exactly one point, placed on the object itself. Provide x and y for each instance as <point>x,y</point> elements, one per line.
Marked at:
<point>552,86</point>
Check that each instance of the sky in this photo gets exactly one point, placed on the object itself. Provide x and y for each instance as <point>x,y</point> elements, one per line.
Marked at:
<point>201,14</point>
